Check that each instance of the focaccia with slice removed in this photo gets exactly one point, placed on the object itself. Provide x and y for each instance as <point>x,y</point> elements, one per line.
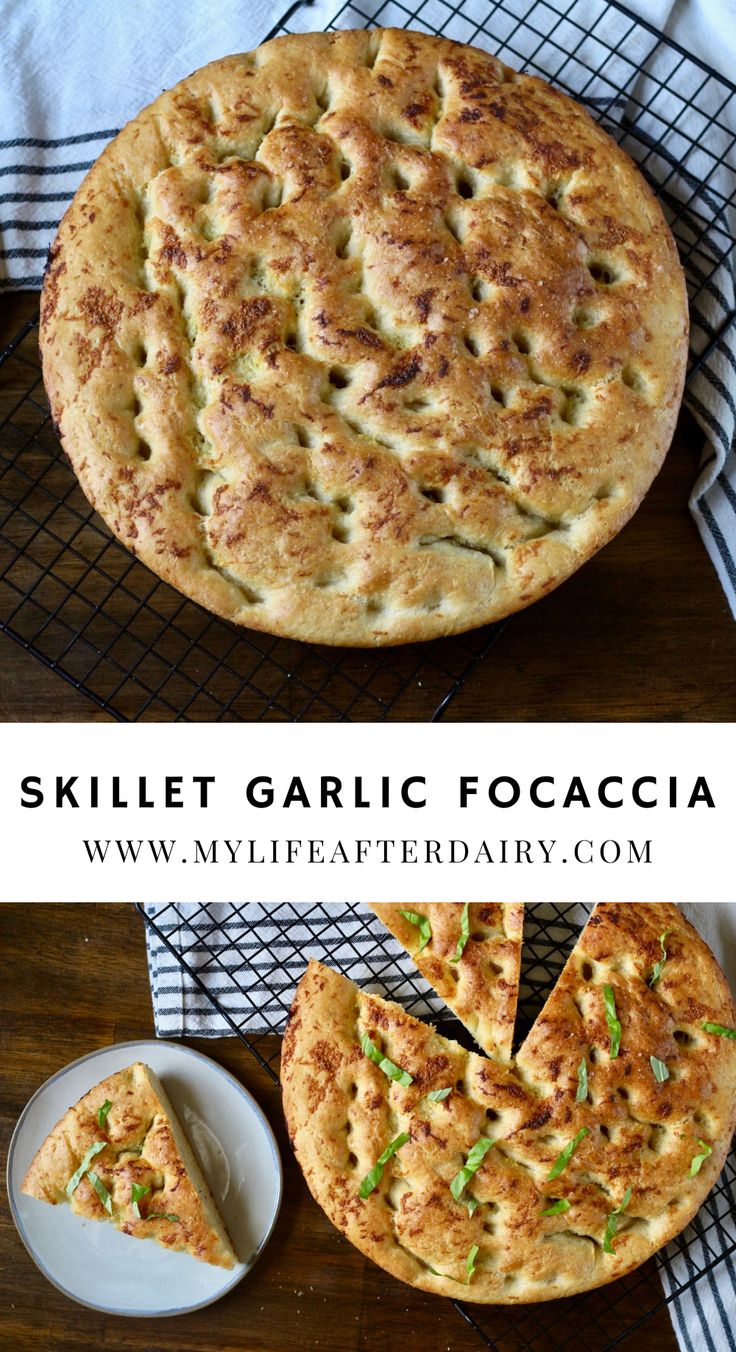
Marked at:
<point>481,985</point>
<point>590,1171</point>
<point>140,1172</point>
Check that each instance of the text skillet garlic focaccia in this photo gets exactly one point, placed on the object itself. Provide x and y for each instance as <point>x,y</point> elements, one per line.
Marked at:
<point>362,338</point>
<point>121,1155</point>
<point>471,954</point>
<point>546,1177</point>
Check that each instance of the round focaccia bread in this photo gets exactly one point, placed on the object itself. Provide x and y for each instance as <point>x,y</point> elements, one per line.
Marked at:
<point>665,1141</point>
<point>362,338</point>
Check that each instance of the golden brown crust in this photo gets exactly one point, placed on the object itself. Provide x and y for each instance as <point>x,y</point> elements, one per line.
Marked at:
<point>342,1111</point>
<point>144,1145</point>
<point>362,338</point>
<point>482,986</point>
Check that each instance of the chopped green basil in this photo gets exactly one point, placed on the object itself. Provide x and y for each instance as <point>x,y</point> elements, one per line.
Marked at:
<point>612,1223</point>
<point>557,1207</point>
<point>161,1216</point>
<point>564,1157</point>
<point>658,967</point>
<point>699,1160</point>
<point>437,1095</point>
<point>101,1190</point>
<point>614,1026</point>
<point>470,1261</point>
<point>137,1191</point>
<point>444,1275</point>
<point>373,1178</point>
<point>471,1166</point>
<point>582,1089</point>
<point>77,1177</point>
<point>719,1029</point>
<point>472,1204</point>
<point>102,1113</point>
<point>388,1067</point>
<point>660,1069</point>
<point>422,924</point>
<point>464,933</point>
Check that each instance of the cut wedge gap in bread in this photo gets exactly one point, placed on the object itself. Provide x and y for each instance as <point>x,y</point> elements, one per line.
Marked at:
<point>480,985</point>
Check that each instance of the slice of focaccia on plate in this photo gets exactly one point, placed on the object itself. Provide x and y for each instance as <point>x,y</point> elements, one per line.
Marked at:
<point>121,1155</point>
<point>470,953</point>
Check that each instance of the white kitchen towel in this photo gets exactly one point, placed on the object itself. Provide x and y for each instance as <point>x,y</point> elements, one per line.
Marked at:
<point>250,958</point>
<point>69,78</point>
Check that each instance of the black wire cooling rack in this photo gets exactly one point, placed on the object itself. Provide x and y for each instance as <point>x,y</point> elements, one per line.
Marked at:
<point>76,599</point>
<point>240,964</point>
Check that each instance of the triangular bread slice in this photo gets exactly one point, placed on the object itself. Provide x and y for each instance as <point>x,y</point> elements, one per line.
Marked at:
<point>482,986</point>
<point>137,1141</point>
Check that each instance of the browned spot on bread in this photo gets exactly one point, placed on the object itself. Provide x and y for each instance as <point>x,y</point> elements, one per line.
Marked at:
<point>363,335</point>
<point>401,375</point>
<point>326,1056</point>
<point>580,361</point>
<point>99,308</point>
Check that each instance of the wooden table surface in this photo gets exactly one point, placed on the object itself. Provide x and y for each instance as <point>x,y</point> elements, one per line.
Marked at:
<point>72,979</point>
<point>643,631</point>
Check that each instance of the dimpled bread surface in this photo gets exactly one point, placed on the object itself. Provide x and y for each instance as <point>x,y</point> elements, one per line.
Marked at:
<point>638,1132</point>
<point>363,338</point>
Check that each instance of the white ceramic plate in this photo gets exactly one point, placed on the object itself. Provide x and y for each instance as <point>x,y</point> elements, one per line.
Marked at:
<point>98,1266</point>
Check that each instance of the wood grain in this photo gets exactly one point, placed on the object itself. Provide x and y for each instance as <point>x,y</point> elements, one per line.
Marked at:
<point>310,1289</point>
<point>643,631</point>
